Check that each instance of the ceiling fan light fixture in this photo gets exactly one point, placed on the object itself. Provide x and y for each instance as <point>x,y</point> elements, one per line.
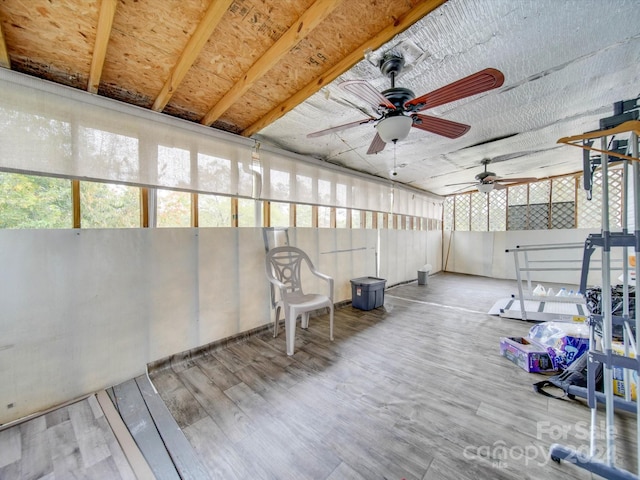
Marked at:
<point>485,187</point>
<point>392,129</point>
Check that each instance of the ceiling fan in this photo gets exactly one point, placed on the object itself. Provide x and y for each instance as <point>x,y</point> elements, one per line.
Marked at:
<point>487,181</point>
<point>397,107</point>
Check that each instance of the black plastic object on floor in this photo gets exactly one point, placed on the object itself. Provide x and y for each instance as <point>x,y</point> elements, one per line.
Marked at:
<point>574,375</point>
<point>593,297</point>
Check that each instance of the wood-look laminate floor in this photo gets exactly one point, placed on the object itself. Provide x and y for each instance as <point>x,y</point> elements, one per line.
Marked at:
<point>71,442</point>
<point>414,390</point>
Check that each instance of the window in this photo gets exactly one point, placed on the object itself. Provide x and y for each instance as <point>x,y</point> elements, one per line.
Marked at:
<point>355,218</point>
<point>106,205</point>
<point>324,217</point>
<point>214,211</point>
<point>29,201</point>
<point>303,216</point>
<point>174,209</point>
<point>341,218</point>
<point>246,212</point>
<point>280,214</point>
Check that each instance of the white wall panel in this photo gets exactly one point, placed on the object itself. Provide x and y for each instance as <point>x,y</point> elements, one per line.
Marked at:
<point>483,253</point>
<point>86,309</point>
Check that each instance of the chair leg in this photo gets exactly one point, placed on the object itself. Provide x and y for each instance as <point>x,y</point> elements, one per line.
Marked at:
<point>290,329</point>
<point>331,323</point>
<point>304,322</point>
<point>276,322</point>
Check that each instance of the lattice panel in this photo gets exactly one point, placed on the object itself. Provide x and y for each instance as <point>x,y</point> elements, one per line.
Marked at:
<point>615,198</point>
<point>539,192</point>
<point>538,216</point>
<point>463,205</point>
<point>517,217</point>
<point>563,189</point>
<point>498,210</point>
<point>479,212</point>
<point>563,214</point>
<point>589,211</point>
<point>448,206</point>
<point>517,195</point>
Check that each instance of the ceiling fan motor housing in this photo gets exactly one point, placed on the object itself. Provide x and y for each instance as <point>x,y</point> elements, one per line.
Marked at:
<point>482,175</point>
<point>398,96</point>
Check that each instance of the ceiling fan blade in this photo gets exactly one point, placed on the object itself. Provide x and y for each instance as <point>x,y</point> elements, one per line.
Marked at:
<point>377,145</point>
<point>341,127</point>
<point>439,126</point>
<point>366,92</point>
<point>467,188</point>
<point>499,186</point>
<point>516,180</point>
<point>461,183</point>
<point>479,82</point>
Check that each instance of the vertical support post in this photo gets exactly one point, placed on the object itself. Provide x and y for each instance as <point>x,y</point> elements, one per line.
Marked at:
<point>195,221</point>
<point>266,213</point>
<point>292,215</point>
<point>636,231</point>
<point>606,309</point>
<point>75,202</point>
<point>625,272</point>
<point>144,207</point>
<point>234,212</point>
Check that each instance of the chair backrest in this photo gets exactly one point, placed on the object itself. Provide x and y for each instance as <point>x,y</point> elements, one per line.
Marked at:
<point>284,264</point>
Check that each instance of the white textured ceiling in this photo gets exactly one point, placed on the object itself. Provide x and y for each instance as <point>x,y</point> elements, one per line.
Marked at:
<point>565,63</point>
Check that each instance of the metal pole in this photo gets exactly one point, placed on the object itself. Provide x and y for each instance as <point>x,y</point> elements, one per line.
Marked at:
<point>523,312</point>
<point>606,310</point>
<point>625,273</point>
<point>526,266</point>
<point>636,228</point>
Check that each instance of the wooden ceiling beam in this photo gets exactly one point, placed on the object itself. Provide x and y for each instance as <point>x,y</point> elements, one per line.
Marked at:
<point>401,24</point>
<point>4,54</point>
<point>309,20</point>
<point>194,46</point>
<point>103,33</point>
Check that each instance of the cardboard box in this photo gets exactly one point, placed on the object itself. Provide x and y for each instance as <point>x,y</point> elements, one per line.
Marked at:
<point>528,355</point>
<point>618,375</point>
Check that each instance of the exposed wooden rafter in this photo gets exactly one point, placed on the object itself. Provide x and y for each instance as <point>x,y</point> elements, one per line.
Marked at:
<point>103,32</point>
<point>309,20</point>
<point>401,24</point>
<point>4,55</point>
<point>191,51</point>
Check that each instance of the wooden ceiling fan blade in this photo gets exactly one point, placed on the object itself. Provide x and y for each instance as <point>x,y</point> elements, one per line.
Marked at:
<point>439,126</point>
<point>499,186</point>
<point>461,183</point>
<point>377,145</point>
<point>366,92</point>
<point>468,187</point>
<point>516,180</point>
<point>341,127</point>
<point>479,82</point>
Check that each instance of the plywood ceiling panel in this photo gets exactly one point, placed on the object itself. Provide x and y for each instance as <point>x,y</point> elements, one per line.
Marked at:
<point>240,64</point>
<point>52,40</point>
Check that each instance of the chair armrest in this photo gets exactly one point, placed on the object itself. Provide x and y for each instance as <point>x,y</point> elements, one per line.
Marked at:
<point>276,282</point>
<point>327,278</point>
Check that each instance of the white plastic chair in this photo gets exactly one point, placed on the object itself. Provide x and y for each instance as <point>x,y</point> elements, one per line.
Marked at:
<point>284,268</point>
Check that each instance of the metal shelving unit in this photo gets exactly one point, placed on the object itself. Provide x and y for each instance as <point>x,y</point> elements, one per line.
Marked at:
<point>600,350</point>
